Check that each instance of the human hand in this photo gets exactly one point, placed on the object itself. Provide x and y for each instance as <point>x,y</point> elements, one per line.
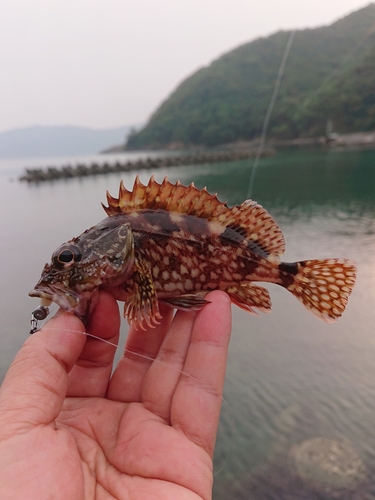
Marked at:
<point>71,429</point>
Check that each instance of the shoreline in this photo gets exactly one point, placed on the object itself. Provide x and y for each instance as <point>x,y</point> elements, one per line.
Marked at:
<point>352,139</point>
<point>239,150</point>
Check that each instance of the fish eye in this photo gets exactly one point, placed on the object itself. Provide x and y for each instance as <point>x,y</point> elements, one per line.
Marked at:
<point>66,256</point>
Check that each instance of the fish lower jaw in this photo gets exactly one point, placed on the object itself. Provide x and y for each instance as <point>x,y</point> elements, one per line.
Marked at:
<point>45,301</point>
<point>65,300</point>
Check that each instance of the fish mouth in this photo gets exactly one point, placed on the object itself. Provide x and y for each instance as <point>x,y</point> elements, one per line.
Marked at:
<point>64,298</point>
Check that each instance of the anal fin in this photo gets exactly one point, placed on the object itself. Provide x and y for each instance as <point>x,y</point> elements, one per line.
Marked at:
<point>187,302</point>
<point>142,305</point>
<point>248,296</point>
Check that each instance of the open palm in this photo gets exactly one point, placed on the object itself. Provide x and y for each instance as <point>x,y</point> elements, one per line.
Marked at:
<point>72,429</point>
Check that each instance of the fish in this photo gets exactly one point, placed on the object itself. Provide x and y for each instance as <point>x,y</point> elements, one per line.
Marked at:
<point>174,244</point>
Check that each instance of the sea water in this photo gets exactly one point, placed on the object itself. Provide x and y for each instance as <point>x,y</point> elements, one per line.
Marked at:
<point>290,376</point>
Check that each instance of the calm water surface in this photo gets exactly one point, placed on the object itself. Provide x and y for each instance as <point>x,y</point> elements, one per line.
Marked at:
<point>290,376</point>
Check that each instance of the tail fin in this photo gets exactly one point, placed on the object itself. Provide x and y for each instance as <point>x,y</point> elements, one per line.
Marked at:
<point>323,286</point>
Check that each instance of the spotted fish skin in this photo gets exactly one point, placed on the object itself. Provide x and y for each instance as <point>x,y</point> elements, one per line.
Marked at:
<point>185,242</point>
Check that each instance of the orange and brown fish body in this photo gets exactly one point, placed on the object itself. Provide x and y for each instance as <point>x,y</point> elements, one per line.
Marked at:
<point>171,243</point>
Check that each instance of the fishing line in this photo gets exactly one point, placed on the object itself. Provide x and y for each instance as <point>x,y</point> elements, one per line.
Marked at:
<point>163,363</point>
<point>268,114</point>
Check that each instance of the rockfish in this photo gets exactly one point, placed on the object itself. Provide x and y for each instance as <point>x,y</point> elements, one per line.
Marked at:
<point>170,243</point>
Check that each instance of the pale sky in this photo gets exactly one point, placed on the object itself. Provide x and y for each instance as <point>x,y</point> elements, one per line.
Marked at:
<point>106,63</point>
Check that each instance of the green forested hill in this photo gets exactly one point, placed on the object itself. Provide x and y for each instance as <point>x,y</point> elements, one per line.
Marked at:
<point>347,97</point>
<point>330,73</point>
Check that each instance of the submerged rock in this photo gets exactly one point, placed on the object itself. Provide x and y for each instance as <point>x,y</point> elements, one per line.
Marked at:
<point>328,466</point>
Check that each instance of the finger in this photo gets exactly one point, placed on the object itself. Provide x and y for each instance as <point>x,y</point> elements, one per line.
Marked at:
<point>140,350</point>
<point>197,399</point>
<point>162,378</point>
<point>35,386</point>
<point>92,371</point>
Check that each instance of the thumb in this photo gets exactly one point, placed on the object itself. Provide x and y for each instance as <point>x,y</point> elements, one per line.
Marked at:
<point>35,386</point>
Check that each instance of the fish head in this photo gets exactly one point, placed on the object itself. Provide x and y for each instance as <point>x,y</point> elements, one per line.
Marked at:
<point>101,256</point>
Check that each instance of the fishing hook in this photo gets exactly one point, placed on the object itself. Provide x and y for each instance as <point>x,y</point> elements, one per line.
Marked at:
<point>39,314</point>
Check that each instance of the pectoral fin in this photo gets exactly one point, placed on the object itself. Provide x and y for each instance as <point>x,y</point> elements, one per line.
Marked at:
<point>247,296</point>
<point>142,305</point>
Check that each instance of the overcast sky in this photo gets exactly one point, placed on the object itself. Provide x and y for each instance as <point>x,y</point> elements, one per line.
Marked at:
<point>106,63</point>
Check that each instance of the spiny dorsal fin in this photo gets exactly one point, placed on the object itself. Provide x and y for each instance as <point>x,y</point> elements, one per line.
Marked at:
<point>166,196</point>
<point>249,219</point>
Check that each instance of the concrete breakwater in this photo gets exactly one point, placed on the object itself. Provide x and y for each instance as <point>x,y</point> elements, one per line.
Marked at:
<point>35,175</point>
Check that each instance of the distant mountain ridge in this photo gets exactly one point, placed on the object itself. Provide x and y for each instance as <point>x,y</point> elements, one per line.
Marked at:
<point>40,141</point>
<point>330,74</point>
